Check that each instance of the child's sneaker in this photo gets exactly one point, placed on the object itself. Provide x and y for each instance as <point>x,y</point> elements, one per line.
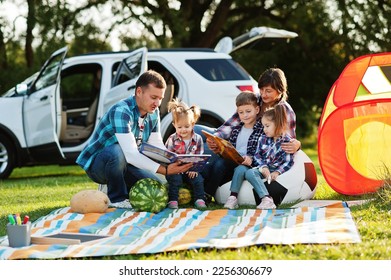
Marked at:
<point>232,202</point>
<point>266,203</point>
<point>200,203</point>
<point>173,204</point>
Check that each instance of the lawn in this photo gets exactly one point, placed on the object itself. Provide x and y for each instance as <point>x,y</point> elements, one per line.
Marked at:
<point>36,191</point>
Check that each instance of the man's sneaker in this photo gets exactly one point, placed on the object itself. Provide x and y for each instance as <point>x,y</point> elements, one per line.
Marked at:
<point>122,204</point>
<point>232,202</point>
<point>102,188</point>
<point>173,204</point>
<point>200,204</point>
<point>266,203</point>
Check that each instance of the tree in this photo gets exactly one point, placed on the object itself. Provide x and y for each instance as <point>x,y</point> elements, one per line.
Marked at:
<point>331,33</point>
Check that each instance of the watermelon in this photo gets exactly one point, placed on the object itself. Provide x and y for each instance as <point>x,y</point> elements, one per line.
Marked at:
<point>184,196</point>
<point>148,195</point>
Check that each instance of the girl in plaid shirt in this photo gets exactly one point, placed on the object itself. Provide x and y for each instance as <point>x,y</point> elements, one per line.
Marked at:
<point>185,141</point>
<point>270,159</point>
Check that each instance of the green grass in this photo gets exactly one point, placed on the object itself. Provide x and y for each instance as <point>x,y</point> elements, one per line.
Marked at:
<point>36,191</point>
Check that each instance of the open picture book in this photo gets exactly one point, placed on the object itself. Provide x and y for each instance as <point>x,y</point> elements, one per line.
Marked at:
<point>227,150</point>
<point>165,156</point>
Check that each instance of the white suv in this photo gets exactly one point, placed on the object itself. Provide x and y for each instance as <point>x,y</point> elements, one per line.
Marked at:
<point>49,118</point>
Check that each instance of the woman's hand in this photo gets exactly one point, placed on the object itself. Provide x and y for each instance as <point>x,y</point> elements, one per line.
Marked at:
<point>291,147</point>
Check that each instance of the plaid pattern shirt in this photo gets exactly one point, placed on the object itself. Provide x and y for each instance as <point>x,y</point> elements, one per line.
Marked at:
<point>269,154</point>
<point>224,131</point>
<point>121,118</point>
<point>176,144</point>
<point>252,143</point>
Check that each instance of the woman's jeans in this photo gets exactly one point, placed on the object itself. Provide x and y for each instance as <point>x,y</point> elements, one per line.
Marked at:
<point>217,172</point>
<point>110,167</point>
<point>175,181</point>
<point>252,175</point>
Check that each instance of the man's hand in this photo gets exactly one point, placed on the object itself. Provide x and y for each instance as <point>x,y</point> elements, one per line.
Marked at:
<point>178,167</point>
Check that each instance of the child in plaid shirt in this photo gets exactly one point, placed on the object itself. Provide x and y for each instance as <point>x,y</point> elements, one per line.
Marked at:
<point>185,141</point>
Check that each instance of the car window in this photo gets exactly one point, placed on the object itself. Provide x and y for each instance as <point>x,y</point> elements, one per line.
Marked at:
<point>49,76</point>
<point>218,69</point>
<point>80,85</point>
<point>129,69</point>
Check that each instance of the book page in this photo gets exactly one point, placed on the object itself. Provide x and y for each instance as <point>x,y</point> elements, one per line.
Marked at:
<point>199,161</point>
<point>193,158</point>
<point>156,156</point>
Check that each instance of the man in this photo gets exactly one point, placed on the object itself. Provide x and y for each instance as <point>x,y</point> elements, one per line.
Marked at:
<point>112,156</point>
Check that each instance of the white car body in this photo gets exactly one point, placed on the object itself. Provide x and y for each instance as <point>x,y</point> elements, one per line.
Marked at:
<point>44,120</point>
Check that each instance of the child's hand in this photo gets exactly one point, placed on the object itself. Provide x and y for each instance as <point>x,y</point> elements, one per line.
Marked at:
<point>265,172</point>
<point>192,174</point>
<point>212,146</point>
<point>247,161</point>
<point>274,175</point>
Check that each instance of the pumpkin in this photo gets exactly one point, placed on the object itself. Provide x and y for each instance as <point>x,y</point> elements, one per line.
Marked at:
<point>184,196</point>
<point>89,201</point>
<point>148,195</point>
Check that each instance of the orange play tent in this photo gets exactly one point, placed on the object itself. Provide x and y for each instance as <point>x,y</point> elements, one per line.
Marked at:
<point>354,136</point>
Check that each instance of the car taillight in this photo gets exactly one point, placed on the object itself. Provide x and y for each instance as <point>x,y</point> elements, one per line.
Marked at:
<point>246,88</point>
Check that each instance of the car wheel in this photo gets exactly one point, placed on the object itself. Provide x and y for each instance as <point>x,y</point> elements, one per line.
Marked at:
<point>210,122</point>
<point>7,157</point>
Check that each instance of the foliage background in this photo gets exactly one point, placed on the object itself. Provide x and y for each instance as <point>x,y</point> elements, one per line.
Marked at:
<point>331,33</point>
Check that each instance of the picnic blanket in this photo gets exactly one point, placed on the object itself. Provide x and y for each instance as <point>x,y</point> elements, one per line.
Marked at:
<point>183,229</point>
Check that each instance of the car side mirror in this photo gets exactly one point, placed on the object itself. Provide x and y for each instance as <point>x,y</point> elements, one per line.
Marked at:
<point>21,89</point>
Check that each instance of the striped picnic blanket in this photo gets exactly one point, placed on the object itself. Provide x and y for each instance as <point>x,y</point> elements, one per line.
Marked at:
<point>182,229</point>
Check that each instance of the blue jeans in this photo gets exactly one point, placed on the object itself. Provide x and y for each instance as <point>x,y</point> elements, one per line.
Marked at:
<point>110,167</point>
<point>252,175</point>
<point>176,180</point>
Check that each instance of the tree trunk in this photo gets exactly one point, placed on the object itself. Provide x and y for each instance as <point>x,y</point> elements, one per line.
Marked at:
<point>31,21</point>
<point>3,53</point>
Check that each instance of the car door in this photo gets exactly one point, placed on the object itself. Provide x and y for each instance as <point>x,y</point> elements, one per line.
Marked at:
<point>42,111</point>
<point>228,45</point>
<point>124,81</point>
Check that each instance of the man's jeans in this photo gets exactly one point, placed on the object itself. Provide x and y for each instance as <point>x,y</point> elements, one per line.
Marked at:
<point>110,167</point>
